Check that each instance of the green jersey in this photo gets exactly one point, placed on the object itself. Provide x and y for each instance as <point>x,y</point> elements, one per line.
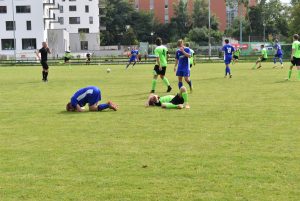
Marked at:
<point>237,53</point>
<point>192,57</point>
<point>166,99</point>
<point>296,48</point>
<point>162,53</point>
<point>264,53</point>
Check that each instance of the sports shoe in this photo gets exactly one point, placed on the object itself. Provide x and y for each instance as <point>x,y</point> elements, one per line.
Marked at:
<point>230,76</point>
<point>152,91</point>
<point>112,106</point>
<point>169,89</point>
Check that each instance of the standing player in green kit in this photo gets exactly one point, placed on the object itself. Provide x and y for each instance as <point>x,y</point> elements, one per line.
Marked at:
<point>161,53</point>
<point>295,56</point>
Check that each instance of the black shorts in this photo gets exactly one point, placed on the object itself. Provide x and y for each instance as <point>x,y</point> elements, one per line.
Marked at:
<point>263,59</point>
<point>45,65</point>
<point>177,100</point>
<point>235,57</point>
<point>296,61</point>
<point>158,72</point>
<point>67,59</point>
<point>191,65</point>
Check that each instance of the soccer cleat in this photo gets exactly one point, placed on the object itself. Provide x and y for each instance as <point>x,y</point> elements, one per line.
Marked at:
<point>230,76</point>
<point>152,91</point>
<point>112,106</point>
<point>169,89</point>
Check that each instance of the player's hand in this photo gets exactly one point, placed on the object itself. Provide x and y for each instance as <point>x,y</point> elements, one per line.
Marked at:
<point>292,58</point>
<point>181,49</point>
<point>175,69</point>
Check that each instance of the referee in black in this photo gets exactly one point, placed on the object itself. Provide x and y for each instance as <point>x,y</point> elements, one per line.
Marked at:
<point>42,54</point>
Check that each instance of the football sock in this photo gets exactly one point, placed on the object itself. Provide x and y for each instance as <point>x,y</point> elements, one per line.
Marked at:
<point>46,75</point>
<point>154,84</point>
<point>171,106</point>
<point>134,63</point>
<point>43,72</point>
<point>103,106</point>
<point>166,81</point>
<point>185,97</point>
<point>179,85</point>
<point>227,71</point>
<point>290,74</point>
<point>190,83</point>
<point>280,60</point>
<point>274,60</point>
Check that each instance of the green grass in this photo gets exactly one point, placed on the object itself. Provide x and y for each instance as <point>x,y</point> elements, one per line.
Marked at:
<point>239,141</point>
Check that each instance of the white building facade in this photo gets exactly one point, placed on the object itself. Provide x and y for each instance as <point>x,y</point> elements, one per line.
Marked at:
<point>27,23</point>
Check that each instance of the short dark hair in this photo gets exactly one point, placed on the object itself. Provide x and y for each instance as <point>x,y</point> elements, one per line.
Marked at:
<point>158,41</point>
<point>262,45</point>
<point>296,36</point>
<point>187,44</point>
<point>226,41</point>
<point>69,107</point>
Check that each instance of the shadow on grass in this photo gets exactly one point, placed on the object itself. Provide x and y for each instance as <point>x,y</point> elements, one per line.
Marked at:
<point>83,113</point>
<point>137,94</point>
<point>282,81</point>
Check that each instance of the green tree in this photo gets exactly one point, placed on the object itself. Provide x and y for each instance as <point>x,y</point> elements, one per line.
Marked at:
<point>294,26</point>
<point>181,20</point>
<point>200,15</point>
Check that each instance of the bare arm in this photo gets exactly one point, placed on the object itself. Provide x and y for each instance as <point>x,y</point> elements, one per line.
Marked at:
<point>176,63</point>
<point>292,55</point>
<point>79,109</point>
<point>38,54</point>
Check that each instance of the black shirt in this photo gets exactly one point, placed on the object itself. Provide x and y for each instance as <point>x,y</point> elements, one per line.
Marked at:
<point>44,53</point>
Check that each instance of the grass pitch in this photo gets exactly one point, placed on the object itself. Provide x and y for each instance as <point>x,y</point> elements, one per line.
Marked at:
<point>239,141</point>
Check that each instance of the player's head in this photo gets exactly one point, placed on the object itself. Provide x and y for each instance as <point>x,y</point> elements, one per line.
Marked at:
<point>180,43</point>
<point>262,46</point>
<point>226,41</point>
<point>296,37</point>
<point>158,41</point>
<point>70,108</point>
<point>187,44</point>
<point>152,100</point>
<point>276,41</point>
<point>44,44</point>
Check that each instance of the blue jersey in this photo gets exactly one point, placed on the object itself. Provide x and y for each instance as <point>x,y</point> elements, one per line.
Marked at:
<point>228,50</point>
<point>88,95</point>
<point>183,61</point>
<point>134,53</point>
<point>278,48</point>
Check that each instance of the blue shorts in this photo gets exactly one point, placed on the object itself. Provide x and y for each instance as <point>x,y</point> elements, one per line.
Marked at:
<point>278,56</point>
<point>132,59</point>
<point>183,73</point>
<point>227,59</point>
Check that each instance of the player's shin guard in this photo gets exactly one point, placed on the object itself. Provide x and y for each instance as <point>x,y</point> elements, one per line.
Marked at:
<point>154,84</point>
<point>103,107</point>
<point>180,85</point>
<point>290,74</point>
<point>166,81</point>
<point>171,106</point>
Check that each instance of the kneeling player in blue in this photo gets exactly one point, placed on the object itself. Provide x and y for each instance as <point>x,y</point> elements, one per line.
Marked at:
<point>179,101</point>
<point>89,95</point>
<point>228,51</point>
<point>278,54</point>
<point>183,55</point>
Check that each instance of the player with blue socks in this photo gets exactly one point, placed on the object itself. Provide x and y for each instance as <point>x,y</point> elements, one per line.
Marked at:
<point>228,51</point>
<point>133,57</point>
<point>89,95</point>
<point>183,55</point>
<point>278,54</point>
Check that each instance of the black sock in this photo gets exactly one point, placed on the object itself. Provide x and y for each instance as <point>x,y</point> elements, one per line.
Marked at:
<point>46,75</point>
<point>43,72</point>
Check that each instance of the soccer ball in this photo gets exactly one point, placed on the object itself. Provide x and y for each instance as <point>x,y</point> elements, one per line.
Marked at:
<point>108,70</point>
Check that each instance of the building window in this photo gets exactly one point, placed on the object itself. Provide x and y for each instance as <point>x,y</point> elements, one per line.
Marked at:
<point>28,25</point>
<point>61,9</point>
<point>10,25</point>
<point>91,20</point>
<point>72,8</point>
<point>23,9</point>
<point>8,44</point>
<point>87,9</point>
<point>166,4</point>
<point>3,9</point>
<point>83,30</point>
<point>151,4</point>
<point>28,43</point>
<point>60,20</point>
<point>84,45</point>
<point>74,20</point>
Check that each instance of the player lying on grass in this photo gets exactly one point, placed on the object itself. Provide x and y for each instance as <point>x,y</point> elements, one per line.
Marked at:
<point>262,58</point>
<point>179,101</point>
<point>89,95</point>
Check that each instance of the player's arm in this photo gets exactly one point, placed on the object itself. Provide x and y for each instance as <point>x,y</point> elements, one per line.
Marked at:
<point>292,55</point>
<point>48,50</point>
<point>175,66</point>
<point>158,63</point>
<point>37,52</point>
<point>184,52</point>
<point>79,109</point>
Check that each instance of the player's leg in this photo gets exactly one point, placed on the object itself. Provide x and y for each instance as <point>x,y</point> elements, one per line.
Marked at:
<point>183,93</point>
<point>171,106</point>
<point>154,80</point>
<point>46,71</point>
<point>189,81</point>
<point>291,69</point>
<point>259,62</point>
<point>281,61</point>
<point>180,84</point>
<point>162,74</point>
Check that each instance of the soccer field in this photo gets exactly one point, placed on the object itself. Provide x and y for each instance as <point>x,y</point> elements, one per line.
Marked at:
<point>239,141</point>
